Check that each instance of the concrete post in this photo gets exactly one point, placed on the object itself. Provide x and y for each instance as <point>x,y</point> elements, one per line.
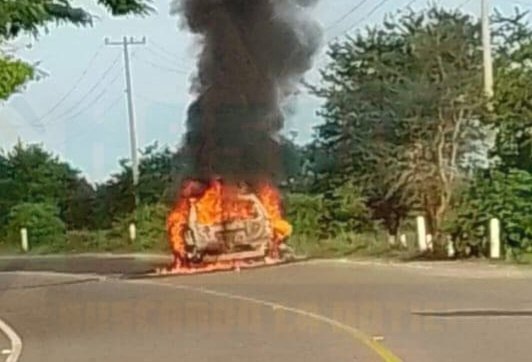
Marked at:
<point>421,234</point>
<point>495,238</point>
<point>451,252</point>
<point>404,243</point>
<point>24,240</point>
<point>132,232</point>
<point>428,239</point>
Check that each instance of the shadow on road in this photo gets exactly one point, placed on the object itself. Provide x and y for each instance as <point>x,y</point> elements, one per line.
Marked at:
<point>119,265</point>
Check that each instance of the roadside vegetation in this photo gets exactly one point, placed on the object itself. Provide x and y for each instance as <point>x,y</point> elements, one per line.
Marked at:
<point>406,131</point>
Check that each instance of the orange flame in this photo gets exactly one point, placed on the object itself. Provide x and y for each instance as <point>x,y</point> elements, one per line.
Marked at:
<point>217,203</point>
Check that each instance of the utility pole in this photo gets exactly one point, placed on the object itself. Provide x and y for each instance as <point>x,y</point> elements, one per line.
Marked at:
<point>125,43</point>
<point>486,46</point>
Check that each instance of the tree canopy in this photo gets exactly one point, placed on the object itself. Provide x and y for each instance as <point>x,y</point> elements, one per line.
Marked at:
<point>30,16</point>
<point>402,103</point>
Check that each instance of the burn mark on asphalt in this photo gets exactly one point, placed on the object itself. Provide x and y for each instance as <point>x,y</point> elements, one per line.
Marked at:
<point>50,285</point>
<point>475,313</point>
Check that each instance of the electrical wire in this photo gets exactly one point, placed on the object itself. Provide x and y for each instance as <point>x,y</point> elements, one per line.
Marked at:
<point>170,56</point>
<point>463,4</point>
<point>90,91</point>
<point>164,51</point>
<point>369,14</point>
<point>111,105</point>
<point>169,63</point>
<point>159,66</point>
<point>72,89</point>
<point>87,106</point>
<point>346,15</point>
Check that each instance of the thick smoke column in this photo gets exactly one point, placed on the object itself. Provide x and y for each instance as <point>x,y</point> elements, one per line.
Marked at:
<point>254,52</point>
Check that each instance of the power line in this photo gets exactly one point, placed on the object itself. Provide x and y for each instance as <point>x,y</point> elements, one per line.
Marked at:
<point>68,112</point>
<point>171,56</point>
<point>463,4</point>
<point>102,114</point>
<point>92,89</point>
<point>162,49</point>
<point>369,14</point>
<point>90,104</point>
<point>111,105</point>
<point>87,107</point>
<point>160,67</point>
<point>73,88</point>
<point>346,15</point>
<point>159,54</point>
<point>165,58</point>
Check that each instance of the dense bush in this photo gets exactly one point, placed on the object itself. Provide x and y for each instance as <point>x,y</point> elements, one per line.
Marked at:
<point>506,196</point>
<point>345,211</point>
<point>90,241</point>
<point>350,231</point>
<point>40,219</point>
<point>303,212</point>
<point>150,221</point>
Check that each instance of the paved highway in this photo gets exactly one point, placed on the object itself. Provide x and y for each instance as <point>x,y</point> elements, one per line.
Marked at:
<point>317,311</point>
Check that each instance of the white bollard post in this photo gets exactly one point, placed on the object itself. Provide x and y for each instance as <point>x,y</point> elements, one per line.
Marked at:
<point>451,252</point>
<point>24,240</point>
<point>132,232</point>
<point>421,234</point>
<point>391,240</point>
<point>495,238</point>
<point>428,239</point>
<point>404,243</point>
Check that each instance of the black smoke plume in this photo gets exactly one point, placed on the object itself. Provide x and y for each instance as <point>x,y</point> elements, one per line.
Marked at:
<point>253,55</point>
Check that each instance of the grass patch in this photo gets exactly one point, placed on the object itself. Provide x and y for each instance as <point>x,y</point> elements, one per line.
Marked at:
<point>350,245</point>
<point>83,241</point>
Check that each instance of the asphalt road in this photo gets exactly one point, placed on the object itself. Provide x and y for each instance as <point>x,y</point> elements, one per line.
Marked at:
<point>316,311</point>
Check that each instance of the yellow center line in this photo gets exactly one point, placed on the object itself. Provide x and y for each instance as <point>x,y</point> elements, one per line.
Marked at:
<point>384,353</point>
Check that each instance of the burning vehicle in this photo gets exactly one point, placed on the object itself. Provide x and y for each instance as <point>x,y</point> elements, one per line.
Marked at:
<point>253,57</point>
<point>216,225</point>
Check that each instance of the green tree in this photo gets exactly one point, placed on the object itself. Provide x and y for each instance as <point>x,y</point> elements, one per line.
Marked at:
<point>29,174</point>
<point>304,212</point>
<point>13,74</point>
<point>29,16</point>
<point>494,194</point>
<point>160,172</point>
<point>512,116</point>
<point>40,219</point>
<point>505,190</point>
<point>402,108</point>
<point>78,207</point>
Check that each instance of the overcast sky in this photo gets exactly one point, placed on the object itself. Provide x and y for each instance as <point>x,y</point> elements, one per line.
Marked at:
<point>89,126</point>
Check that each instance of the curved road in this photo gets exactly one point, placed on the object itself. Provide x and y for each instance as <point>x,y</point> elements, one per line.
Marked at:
<point>318,311</point>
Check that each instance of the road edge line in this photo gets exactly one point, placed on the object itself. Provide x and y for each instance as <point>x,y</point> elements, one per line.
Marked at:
<point>16,342</point>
